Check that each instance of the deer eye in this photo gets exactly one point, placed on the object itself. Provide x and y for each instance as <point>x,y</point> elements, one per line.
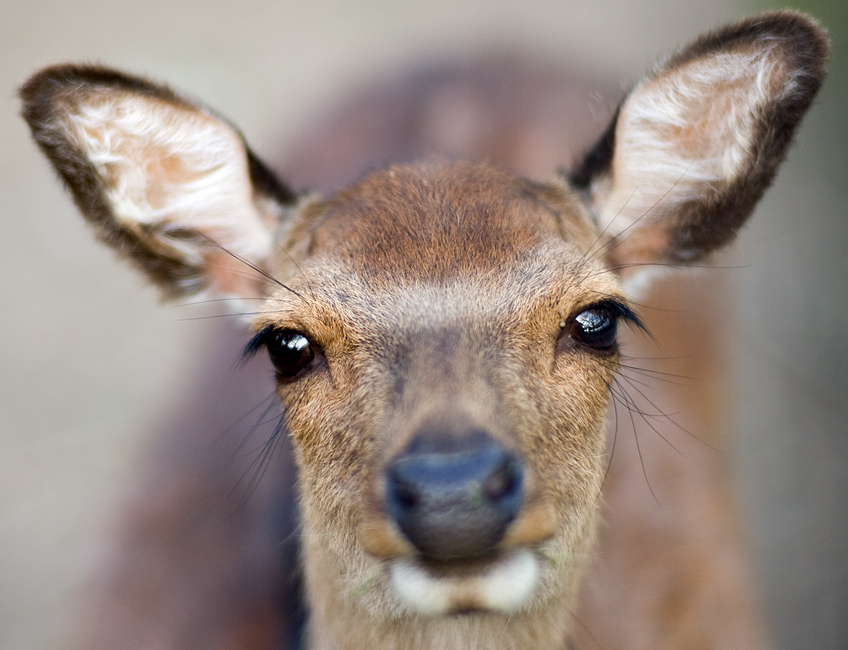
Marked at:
<point>290,351</point>
<point>596,328</point>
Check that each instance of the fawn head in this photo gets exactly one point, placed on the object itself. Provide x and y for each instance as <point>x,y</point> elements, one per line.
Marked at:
<point>444,334</point>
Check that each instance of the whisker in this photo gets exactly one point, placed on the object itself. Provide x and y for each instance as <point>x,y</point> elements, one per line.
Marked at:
<point>646,212</point>
<point>614,440</point>
<point>253,266</point>
<point>590,254</point>
<point>299,270</point>
<point>658,375</point>
<point>639,452</point>
<point>227,315</point>
<point>669,418</point>
<point>264,454</point>
<point>209,301</point>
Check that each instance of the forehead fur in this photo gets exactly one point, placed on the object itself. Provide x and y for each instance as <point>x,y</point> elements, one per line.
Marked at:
<point>440,220</point>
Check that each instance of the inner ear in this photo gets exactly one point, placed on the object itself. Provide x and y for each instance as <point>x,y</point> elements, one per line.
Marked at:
<point>167,171</point>
<point>695,145</point>
<point>164,181</point>
<point>689,133</point>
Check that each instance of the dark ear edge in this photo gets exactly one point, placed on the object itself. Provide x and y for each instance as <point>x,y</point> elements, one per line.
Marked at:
<point>807,50</point>
<point>597,160</point>
<point>811,55</point>
<point>805,46</point>
<point>45,91</point>
<point>804,38</point>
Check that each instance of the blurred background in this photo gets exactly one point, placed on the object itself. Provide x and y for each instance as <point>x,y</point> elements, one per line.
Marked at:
<point>90,358</point>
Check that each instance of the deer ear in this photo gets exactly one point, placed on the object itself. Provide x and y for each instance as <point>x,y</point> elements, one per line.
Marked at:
<point>696,143</point>
<point>163,181</point>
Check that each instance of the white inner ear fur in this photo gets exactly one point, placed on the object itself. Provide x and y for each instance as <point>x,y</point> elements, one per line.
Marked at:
<point>174,168</point>
<point>687,132</point>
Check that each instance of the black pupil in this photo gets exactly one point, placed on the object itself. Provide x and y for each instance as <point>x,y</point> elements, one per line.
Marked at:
<point>290,352</point>
<point>595,328</point>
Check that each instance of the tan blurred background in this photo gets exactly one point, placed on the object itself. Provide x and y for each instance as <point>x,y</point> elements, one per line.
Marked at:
<point>89,357</point>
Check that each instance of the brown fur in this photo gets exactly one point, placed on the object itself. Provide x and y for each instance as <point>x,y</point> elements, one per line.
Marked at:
<point>439,297</point>
<point>454,284</point>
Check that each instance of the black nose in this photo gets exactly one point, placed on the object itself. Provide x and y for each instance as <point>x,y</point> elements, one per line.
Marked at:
<point>454,496</point>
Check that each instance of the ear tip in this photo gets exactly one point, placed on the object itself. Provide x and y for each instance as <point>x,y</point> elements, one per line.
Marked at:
<point>799,36</point>
<point>40,91</point>
<point>802,36</point>
<point>806,46</point>
<point>791,23</point>
<point>57,77</point>
<point>807,39</point>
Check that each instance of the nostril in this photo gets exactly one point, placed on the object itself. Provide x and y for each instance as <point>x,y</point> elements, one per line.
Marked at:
<point>503,482</point>
<point>402,493</point>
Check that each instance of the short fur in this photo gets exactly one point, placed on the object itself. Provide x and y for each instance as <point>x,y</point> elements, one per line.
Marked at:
<point>440,299</point>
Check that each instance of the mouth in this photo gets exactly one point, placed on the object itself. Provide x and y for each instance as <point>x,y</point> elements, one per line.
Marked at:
<point>501,584</point>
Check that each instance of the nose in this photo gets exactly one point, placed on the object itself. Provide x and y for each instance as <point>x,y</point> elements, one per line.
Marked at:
<point>454,496</point>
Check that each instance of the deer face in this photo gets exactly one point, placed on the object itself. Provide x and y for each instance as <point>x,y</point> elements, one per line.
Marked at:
<point>444,347</point>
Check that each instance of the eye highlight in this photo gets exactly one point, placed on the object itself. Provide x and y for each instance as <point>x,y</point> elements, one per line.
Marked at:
<point>290,352</point>
<point>596,327</point>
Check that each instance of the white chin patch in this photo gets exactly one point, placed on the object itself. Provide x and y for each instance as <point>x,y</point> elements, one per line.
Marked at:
<point>504,586</point>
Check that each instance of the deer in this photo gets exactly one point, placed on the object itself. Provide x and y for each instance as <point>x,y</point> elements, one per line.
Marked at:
<point>444,334</point>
